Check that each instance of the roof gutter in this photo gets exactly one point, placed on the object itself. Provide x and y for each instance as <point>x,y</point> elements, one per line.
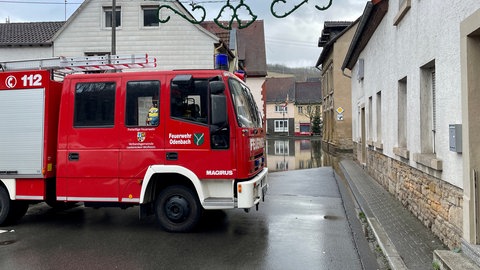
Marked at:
<point>346,75</point>
<point>358,34</point>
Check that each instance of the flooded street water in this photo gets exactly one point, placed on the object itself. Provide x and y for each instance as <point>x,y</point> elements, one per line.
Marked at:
<point>294,153</point>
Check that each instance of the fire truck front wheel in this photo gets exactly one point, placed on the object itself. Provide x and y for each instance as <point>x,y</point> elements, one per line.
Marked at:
<point>178,209</point>
<point>10,211</point>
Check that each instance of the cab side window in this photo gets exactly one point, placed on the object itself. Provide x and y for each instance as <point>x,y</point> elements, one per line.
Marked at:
<point>143,103</point>
<point>94,104</point>
<point>189,101</point>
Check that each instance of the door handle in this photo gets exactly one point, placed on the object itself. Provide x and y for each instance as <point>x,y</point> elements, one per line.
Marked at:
<point>172,156</point>
<point>73,156</point>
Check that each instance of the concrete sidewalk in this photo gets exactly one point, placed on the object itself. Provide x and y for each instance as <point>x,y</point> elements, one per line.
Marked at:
<point>405,241</point>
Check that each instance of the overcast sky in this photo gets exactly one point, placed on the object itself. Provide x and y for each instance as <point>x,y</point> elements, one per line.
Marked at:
<point>291,41</point>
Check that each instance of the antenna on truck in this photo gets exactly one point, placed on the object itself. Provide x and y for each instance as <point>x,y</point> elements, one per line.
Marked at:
<point>65,65</point>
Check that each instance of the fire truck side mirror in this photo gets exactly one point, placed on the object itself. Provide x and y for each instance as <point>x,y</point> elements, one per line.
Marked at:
<point>216,87</point>
<point>219,110</point>
<point>219,103</point>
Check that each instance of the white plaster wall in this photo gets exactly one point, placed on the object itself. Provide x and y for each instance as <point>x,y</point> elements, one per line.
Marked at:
<point>429,31</point>
<point>255,85</point>
<point>272,114</point>
<point>22,53</point>
<point>177,44</point>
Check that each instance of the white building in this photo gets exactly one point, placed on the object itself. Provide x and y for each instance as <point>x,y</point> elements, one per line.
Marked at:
<point>20,41</point>
<point>175,44</point>
<point>406,72</point>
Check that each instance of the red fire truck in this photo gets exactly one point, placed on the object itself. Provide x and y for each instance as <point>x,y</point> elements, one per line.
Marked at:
<point>171,142</point>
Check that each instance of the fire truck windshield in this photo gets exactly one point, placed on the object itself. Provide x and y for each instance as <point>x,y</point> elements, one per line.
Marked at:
<point>245,106</point>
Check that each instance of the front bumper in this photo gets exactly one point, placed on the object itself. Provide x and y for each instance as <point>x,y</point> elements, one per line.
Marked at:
<point>249,193</point>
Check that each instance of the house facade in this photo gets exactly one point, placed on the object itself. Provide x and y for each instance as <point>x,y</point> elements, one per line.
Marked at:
<point>412,65</point>
<point>174,44</point>
<point>291,106</point>
<point>308,100</point>
<point>88,32</point>
<point>20,41</point>
<point>177,44</point>
<point>336,93</point>
<point>279,95</point>
<point>470,83</point>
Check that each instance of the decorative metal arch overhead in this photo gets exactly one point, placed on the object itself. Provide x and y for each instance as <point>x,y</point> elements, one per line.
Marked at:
<point>234,11</point>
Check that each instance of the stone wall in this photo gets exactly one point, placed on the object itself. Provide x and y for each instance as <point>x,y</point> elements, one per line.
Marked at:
<point>434,202</point>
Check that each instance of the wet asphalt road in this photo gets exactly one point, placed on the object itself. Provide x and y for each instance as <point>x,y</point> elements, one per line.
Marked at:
<point>301,225</point>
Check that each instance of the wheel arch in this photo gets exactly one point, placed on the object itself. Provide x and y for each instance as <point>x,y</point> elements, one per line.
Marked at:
<point>158,177</point>
<point>9,185</point>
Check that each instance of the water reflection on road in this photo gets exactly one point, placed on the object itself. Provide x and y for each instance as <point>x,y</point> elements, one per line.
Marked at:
<point>284,154</point>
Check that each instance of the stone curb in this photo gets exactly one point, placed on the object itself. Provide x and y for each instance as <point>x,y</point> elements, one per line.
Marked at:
<point>394,259</point>
<point>389,250</point>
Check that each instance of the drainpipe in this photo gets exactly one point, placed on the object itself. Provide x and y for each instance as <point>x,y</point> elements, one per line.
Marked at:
<point>114,25</point>
<point>346,75</point>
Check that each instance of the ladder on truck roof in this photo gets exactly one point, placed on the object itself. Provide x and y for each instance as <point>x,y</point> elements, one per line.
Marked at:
<point>64,65</point>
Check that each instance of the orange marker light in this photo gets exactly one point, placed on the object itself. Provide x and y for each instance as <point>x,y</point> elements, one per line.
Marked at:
<point>239,188</point>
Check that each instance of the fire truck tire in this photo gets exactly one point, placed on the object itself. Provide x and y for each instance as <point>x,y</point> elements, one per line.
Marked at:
<point>178,209</point>
<point>4,205</point>
<point>10,211</point>
<point>18,210</point>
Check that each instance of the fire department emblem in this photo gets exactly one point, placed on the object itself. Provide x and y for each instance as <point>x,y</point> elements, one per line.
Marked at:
<point>198,138</point>
<point>11,81</point>
<point>140,136</point>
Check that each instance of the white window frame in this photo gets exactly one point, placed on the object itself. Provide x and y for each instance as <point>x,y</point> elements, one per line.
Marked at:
<point>281,108</point>
<point>300,109</point>
<point>142,17</point>
<point>107,23</point>
<point>280,125</point>
<point>281,148</point>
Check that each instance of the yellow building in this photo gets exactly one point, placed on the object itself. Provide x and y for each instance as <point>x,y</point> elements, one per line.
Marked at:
<point>336,86</point>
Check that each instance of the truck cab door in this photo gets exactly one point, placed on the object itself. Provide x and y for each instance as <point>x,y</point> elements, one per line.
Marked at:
<point>142,133</point>
<point>88,150</point>
<point>192,141</point>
